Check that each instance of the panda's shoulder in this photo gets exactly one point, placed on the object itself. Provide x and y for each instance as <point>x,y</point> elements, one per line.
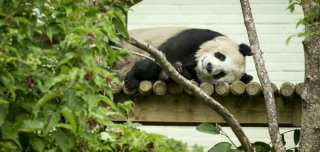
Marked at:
<point>197,33</point>
<point>192,37</point>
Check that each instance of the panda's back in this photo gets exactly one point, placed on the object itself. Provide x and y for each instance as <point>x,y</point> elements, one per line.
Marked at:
<point>156,36</point>
<point>184,45</point>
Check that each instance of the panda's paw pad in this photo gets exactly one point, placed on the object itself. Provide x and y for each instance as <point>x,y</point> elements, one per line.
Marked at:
<point>178,67</point>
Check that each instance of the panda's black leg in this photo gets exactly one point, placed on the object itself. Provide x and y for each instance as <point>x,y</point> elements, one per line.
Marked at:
<point>246,78</point>
<point>143,70</point>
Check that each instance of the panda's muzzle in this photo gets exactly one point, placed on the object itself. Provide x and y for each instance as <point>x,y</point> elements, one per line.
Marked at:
<point>209,67</point>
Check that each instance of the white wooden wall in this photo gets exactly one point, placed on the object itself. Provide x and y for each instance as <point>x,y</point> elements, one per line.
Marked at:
<point>274,25</point>
<point>190,135</point>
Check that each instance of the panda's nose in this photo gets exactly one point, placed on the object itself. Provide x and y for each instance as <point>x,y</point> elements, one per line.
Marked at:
<point>209,67</point>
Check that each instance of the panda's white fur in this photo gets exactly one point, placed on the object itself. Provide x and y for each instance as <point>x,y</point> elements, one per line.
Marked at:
<point>233,66</point>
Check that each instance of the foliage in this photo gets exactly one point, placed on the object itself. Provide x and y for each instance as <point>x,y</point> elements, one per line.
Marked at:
<point>232,147</point>
<point>55,78</point>
<point>311,19</point>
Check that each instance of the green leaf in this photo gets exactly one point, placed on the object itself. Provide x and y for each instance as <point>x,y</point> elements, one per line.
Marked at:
<point>221,147</point>
<point>261,147</point>
<point>3,113</point>
<point>8,81</point>
<point>37,143</point>
<point>53,120</point>
<point>64,69</point>
<point>64,141</point>
<point>67,57</point>
<point>289,39</point>
<point>8,133</point>
<point>120,23</point>
<point>68,115</point>
<point>47,97</point>
<point>39,3</point>
<point>296,136</point>
<point>209,128</point>
<point>30,126</point>
<point>2,101</point>
<point>65,126</point>
<point>49,32</point>
<point>108,102</point>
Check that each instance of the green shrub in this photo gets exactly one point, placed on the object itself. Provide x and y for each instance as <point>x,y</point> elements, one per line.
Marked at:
<point>55,78</point>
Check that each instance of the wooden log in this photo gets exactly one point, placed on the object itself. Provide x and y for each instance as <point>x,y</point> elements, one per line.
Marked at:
<point>275,88</point>
<point>253,89</point>
<point>298,88</point>
<point>237,88</point>
<point>207,88</point>
<point>128,92</point>
<point>188,91</point>
<point>287,89</point>
<point>222,88</point>
<point>175,88</point>
<point>159,88</point>
<point>116,88</point>
<point>145,87</point>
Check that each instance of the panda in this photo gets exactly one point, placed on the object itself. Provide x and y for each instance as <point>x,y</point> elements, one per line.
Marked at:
<point>198,54</point>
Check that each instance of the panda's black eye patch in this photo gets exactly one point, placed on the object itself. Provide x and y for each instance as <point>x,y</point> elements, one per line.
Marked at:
<point>219,75</point>
<point>220,56</point>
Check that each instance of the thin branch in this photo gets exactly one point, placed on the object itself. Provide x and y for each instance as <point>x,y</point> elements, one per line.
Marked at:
<point>222,111</point>
<point>263,77</point>
<point>226,135</point>
<point>134,53</point>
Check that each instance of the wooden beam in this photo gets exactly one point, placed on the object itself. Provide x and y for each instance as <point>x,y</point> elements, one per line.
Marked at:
<point>159,102</point>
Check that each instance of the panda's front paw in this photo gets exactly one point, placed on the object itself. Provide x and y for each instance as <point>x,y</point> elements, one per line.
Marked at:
<point>178,67</point>
<point>165,77</point>
<point>131,84</point>
<point>246,78</point>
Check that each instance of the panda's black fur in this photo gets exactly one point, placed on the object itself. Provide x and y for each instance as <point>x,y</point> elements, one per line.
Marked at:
<point>182,49</point>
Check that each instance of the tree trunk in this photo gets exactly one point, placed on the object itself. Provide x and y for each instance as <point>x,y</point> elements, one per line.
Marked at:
<point>263,77</point>
<point>310,127</point>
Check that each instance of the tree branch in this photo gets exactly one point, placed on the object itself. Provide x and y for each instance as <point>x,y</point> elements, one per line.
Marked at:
<point>222,111</point>
<point>263,77</point>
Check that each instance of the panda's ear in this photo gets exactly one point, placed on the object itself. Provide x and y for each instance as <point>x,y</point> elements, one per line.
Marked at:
<point>245,49</point>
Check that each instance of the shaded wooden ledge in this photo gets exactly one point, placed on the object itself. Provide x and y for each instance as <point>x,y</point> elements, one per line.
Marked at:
<point>158,102</point>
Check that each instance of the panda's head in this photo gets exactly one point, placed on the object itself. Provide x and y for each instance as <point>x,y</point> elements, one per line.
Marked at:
<point>221,59</point>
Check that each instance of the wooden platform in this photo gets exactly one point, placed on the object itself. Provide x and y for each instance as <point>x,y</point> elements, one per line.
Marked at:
<point>179,106</point>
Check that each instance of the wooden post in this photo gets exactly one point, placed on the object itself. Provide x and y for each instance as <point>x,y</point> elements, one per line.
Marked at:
<point>237,88</point>
<point>275,89</point>
<point>207,88</point>
<point>159,88</point>
<point>287,89</point>
<point>175,88</point>
<point>298,88</point>
<point>253,88</point>
<point>222,88</point>
<point>128,92</point>
<point>116,88</point>
<point>145,87</point>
